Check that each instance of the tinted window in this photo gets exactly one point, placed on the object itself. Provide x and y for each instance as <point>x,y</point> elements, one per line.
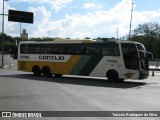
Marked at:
<point>129,49</point>
<point>111,49</point>
<point>59,49</point>
<point>75,49</point>
<point>34,49</point>
<point>30,49</point>
<point>24,49</point>
<point>130,56</point>
<point>92,49</point>
<point>46,49</point>
<point>140,47</point>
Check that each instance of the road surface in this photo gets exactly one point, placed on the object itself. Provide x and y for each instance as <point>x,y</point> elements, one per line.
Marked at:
<point>21,91</point>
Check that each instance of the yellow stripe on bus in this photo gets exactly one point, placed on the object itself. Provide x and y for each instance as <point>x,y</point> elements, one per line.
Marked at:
<point>56,67</point>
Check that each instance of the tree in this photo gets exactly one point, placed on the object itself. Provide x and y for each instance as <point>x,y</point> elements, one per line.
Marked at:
<point>148,30</point>
<point>149,35</point>
<point>8,41</point>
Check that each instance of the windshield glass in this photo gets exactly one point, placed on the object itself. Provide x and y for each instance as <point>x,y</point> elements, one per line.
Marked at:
<point>141,47</point>
<point>143,60</point>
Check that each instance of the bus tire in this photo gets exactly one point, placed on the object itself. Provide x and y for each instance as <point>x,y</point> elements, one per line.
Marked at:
<point>112,76</point>
<point>46,71</point>
<point>36,70</point>
<point>58,75</point>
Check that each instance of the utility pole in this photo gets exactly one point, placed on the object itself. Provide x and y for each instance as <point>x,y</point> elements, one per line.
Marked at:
<point>131,20</point>
<point>49,33</point>
<point>3,34</point>
<point>117,33</point>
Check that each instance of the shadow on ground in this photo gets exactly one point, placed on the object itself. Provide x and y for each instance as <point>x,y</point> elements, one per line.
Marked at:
<point>78,81</point>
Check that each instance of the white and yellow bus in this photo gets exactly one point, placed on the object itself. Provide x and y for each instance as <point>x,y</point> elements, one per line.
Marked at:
<point>116,60</point>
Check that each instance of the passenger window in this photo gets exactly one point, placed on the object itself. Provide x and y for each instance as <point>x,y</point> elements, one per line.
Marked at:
<point>24,49</point>
<point>34,49</point>
<point>46,49</point>
<point>111,49</point>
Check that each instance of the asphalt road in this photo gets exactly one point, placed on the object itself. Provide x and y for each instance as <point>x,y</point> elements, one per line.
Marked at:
<point>21,91</point>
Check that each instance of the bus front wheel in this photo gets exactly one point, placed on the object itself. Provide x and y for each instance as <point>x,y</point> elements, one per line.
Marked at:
<point>36,70</point>
<point>46,71</point>
<point>112,76</point>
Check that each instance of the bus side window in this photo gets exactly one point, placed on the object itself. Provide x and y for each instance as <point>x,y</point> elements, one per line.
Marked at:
<point>105,51</point>
<point>89,51</point>
<point>34,49</point>
<point>62,50</point>
<point>92,49</point>
<point>111,49</point>
<point>46,49</point>
<point>75,49</point>
<point>115,52</point>
<point>54,50</point>
<point>59,49</point>
<point>98,50</point>
<point>24,48</point>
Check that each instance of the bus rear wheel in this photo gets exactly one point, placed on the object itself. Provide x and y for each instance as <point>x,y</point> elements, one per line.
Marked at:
<point>36,70</point>
<point>112,76</point>
<point>46,71</point>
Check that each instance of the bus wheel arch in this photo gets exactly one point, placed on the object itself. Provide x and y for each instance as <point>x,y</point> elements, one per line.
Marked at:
<point>46,71</point>
<point>36,70</point>
<point>112,75</point>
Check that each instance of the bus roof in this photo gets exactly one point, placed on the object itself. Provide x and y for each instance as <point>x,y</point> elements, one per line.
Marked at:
<point>75,41</point>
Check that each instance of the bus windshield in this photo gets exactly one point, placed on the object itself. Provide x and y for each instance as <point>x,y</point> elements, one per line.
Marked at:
<point>141,47</point>
<point>143,56</point>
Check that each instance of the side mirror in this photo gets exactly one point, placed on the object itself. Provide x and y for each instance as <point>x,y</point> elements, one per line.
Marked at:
<point>149,55</point>
<point>142,54</point>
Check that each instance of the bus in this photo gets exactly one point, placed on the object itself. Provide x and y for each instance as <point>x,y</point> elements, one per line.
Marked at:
<point>115,60</point>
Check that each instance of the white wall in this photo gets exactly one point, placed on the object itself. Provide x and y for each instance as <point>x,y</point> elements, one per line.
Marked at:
<point>7,59</point>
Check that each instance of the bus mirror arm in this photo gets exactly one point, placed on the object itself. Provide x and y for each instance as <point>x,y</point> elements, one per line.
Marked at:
<point>149,55</point>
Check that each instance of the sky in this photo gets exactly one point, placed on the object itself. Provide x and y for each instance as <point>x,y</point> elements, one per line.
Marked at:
<point>81,18</point>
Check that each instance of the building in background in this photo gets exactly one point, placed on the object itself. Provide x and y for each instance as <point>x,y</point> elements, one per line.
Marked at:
<point>24,35</point>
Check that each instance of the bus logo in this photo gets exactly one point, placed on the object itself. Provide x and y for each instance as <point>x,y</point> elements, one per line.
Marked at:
<point>51,58</point>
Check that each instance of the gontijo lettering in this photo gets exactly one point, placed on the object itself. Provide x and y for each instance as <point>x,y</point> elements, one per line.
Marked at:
<point>51,57</point>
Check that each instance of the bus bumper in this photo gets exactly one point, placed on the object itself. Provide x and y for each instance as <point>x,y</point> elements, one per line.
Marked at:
<point>143,75</point>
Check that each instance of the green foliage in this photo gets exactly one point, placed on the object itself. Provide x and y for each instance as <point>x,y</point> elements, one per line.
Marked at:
<point>8,42</point>
<point>42,39</point>
<point>149,35</point>
<point>148,30</point>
